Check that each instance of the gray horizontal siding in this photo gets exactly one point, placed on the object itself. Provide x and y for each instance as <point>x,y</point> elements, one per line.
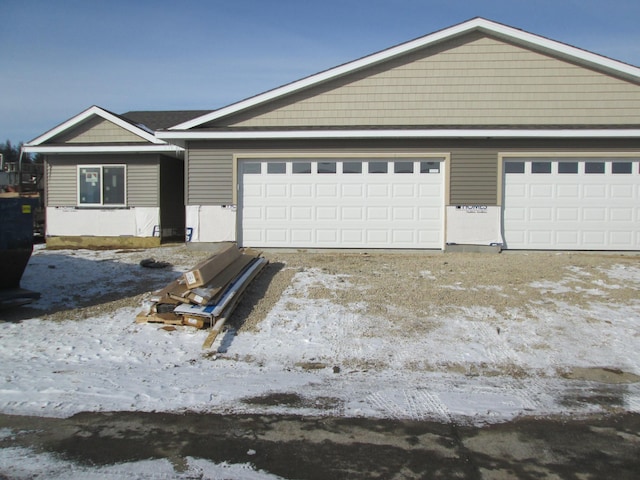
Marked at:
<point>142,178</point>
<point>474,177</point>
<point>473,163</point>
<point>209,177</point>
<point>62,183</point>
<point>143,183</point>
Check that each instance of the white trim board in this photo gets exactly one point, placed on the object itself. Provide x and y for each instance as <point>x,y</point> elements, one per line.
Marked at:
<point>88,113</point>
<point>400,133</point>
<point>164,147</point>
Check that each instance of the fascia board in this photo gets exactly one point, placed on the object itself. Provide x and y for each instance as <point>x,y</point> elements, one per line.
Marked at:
<point>91,111</point>
<point>103,149</point>
<point>398,133</point>
<point>476,23</point>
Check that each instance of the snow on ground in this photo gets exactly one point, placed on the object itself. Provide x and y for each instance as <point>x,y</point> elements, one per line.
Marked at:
<point>326,357</point>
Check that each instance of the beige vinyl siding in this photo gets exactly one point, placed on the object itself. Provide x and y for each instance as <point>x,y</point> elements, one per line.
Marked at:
<point>473,178</point>
<point>476,80</point>
<point>142,178</point>
<point>98,130</point>
<point>209,177</point>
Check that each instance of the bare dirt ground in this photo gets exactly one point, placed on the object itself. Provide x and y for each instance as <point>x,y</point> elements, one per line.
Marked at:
<point>406,287</point>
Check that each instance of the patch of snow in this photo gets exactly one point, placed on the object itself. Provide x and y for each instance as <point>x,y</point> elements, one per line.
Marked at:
<point>28,464</point>
<point>475,365</point>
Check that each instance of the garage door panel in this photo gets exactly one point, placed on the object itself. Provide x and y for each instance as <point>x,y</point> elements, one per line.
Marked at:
<point>378,237</point>
<point>380,191</point>
<point>277,235</point>
<point>327,213</point>
<point>276,190</point>
<point>568,214</point>
<point>622,191</point>
<point>541,214</point>
<point>377,213</point>
<point>324,191</point>
<point>403,191</point>
<point>275,213</point>
<point>352,213</point>
<point>568,191</point>
<point>301,235</point>
<point>300,207</point>
<point>301,213</point>
<point>352,190</point>
<point>302,191</point>
<point>595,191</point>
<point>541,191</point>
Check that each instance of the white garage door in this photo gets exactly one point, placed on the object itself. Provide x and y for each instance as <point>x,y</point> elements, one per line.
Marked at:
<point>328,203</point>
<point>572,203</point>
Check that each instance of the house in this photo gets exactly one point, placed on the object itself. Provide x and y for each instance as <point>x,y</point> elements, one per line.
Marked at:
<point>476,135</point>
<point>111,182</point>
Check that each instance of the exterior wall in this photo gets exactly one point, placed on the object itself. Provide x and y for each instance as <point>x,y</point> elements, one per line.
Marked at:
<point>143,173</point>
<point>473,80</point>
<point>473,199</point>
<point>474,177</point>
<point>209,176</point>
<point>211,223</point>
<point>98,130</point>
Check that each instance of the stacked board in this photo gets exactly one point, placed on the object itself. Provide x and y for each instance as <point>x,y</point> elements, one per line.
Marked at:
<point>206,295</point>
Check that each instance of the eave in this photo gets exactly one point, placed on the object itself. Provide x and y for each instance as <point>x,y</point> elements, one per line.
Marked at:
<point>403,133</point>
<point>73,149</point>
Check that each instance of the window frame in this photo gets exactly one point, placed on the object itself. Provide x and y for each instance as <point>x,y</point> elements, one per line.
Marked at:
<point>101,203</point>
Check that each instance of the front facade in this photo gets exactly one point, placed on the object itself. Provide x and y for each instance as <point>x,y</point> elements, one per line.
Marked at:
<point>111,182</point>
<point>479,134</point>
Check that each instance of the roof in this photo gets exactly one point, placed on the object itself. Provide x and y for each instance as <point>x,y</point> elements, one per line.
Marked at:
<point>476,24</point>
<point>154,144</point>
<point>161,119</point>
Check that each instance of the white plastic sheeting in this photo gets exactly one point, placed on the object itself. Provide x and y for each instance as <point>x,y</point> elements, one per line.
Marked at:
<point>102,222</point>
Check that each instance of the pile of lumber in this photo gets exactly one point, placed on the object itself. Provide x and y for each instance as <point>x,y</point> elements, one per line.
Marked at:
<point>206,295</point>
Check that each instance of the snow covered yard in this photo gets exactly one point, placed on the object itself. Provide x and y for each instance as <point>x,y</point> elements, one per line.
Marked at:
<point>452,337</point>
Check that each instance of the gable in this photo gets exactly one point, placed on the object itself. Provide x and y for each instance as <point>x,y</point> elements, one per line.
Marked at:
<point>97,130</point>
<point>477,79</point>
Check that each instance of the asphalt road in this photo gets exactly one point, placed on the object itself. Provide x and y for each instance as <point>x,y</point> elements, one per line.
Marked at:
<point>342,448</point>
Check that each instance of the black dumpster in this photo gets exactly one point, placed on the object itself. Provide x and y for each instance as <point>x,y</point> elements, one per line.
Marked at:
<point>16,239</point>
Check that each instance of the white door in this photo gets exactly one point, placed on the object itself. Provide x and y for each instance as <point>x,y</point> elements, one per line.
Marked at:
<point>572,203</point>
<point>345,203</point>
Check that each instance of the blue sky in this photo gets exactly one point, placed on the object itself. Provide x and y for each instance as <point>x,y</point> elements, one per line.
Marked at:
<point>59,57</point>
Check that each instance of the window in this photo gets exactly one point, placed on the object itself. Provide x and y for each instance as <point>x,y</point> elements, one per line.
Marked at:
<point>621,167</point>
<point>514,167</point>
<point>594,167</point>
<point>568,167</point>
<point>402,167</point>
<point>326,167</point>
<point>101,185</point>
<point>301,167</point>
<point>429,167</point>
<point>378,167</point>
<point>276,167</point>
<point>540,167</point>
<point>351,167</point>
<point>252,168</point>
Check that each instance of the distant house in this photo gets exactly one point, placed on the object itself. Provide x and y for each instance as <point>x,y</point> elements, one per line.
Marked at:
<point>479,134</point>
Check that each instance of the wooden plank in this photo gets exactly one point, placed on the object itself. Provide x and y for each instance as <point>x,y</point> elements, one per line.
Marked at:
<point>204,271</point>
<point>217,327</point>
<point>209,293</point>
